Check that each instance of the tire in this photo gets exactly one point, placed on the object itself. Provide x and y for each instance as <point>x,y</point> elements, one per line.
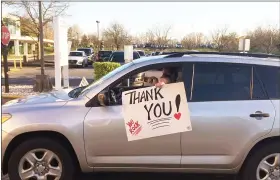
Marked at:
<point>41,143</point>
<point>249,171</point>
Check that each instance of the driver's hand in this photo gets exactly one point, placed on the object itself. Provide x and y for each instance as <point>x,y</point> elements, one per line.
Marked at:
<point>160,84</point>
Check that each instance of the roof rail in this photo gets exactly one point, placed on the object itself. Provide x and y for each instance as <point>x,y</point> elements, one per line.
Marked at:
<point>180,54</point>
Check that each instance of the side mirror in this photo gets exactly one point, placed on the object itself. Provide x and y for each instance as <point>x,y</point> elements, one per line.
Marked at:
<point>103,98</point>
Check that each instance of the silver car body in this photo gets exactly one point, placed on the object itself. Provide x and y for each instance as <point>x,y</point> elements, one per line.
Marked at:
<point>223,133</point>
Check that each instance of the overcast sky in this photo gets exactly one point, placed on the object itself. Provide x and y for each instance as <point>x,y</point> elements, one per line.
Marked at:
<point>184,17</point>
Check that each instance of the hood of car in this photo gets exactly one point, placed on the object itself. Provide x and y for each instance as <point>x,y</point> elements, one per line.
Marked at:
<point>75,58</point>
<point>60,96</point>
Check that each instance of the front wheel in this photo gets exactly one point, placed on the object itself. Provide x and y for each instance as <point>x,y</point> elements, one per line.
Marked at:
<point>263,164</point>
<point>40,159</point>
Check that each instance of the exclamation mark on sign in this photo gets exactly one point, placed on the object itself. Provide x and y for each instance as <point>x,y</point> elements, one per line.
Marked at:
<point>177,115</point>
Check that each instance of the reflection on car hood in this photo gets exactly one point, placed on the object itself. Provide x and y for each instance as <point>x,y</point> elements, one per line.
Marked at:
<point>75,57</point>
<point>51,97</point>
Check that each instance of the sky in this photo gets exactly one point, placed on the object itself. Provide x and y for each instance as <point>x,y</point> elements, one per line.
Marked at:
<point>183,17</point>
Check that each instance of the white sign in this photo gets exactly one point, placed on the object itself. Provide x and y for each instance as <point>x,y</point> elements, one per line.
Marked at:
<point>128,53</point>
<point>84,82</point>
<point>244,44</point>
<point>151,112</point>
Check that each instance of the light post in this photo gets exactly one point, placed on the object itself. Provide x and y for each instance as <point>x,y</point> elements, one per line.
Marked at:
<point>97,22</point>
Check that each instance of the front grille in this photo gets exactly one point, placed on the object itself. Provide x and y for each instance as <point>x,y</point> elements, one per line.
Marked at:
<point>72,61</point>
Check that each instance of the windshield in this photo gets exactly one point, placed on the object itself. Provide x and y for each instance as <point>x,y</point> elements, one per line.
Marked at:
<point>107,76</point>
<point>75,54</point>
<point>87,51</point>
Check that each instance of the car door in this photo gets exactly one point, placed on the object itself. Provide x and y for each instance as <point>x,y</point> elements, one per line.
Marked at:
<point>107,145</point>
<point>225,102</point>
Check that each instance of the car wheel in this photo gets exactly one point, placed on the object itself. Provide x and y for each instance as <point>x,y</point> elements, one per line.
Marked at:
<point>40,158</point>
<point>263,164</point>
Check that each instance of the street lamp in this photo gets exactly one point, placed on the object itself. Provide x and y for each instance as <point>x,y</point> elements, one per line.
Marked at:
<point>97,22</point>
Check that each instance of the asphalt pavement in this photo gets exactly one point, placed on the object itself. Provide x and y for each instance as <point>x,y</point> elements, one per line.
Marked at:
<point>26,75</point>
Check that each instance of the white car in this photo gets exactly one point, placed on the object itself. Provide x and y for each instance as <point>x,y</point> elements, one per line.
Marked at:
<point>78,58</point>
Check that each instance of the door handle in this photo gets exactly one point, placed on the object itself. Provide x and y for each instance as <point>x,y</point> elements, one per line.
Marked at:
<point>259,114</point>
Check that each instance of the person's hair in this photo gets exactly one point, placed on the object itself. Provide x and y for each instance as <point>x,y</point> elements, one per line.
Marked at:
<point>173,74</point>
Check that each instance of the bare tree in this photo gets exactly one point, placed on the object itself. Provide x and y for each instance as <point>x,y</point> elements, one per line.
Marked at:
<point>116,35</point>
<point>31,14</point>
<point>85,42</point>
<point>192,40</point>
<point>225,41</point>
<point>93,40</point>
<point>218,37</point>
<point>160,35</point>
<point>265,39</point>
<point>74,34</point>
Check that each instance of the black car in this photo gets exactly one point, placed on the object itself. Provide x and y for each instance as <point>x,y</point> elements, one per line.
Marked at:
<point>141,53</point>
<point>118,56</point>
<point>101,55</point>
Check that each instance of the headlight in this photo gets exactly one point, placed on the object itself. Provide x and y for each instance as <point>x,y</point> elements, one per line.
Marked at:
<point>6,117</point>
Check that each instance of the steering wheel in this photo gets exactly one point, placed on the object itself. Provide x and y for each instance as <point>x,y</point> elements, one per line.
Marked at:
<point>113,96</point>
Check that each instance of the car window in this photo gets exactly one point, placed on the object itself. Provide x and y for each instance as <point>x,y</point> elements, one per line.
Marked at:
<point>147,77</point>
<point>270,79</point>
<point>118,57</point>
<point>141,53</point>
<point>136,55</point>
<point>221,82</point>
<point>75,54</point>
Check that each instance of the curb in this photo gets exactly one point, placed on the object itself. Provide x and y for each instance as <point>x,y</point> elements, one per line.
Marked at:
<point>11,96</point>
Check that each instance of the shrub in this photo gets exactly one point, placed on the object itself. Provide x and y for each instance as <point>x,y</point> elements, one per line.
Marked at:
<point>103,68</point>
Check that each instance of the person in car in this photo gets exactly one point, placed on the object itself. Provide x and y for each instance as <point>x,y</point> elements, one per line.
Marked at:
<point>169,75</point>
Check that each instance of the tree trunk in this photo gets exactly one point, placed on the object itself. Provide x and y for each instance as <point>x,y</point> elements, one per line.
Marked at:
<point>38,48</point>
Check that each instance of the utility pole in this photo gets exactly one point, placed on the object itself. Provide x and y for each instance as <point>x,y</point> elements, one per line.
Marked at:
<point>41,39</point>
<point>97,22</point>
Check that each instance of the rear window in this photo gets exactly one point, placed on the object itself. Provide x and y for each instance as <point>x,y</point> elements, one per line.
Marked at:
<point>87,51</point>
<point>105,53</point>
<point>141,53</point>
<point>75,54</point>
<point>119,56</point>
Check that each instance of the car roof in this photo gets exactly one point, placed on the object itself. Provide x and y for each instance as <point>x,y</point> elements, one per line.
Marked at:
<point>209,58</point>
<point>78,51</point>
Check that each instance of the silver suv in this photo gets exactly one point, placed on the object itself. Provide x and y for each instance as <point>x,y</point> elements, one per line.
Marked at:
<point>234,101</point>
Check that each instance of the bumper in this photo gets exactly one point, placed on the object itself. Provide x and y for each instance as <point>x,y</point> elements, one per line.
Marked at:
<point>75,63</point>
<point>6,139</point>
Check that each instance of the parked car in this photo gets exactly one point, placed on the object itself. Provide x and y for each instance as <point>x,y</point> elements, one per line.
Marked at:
<point>78,58</point>
<point>118,56</point>
<point>234,105</point>
<point>141,53</point>
<point>89,52</point>
<point>101,55</point>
